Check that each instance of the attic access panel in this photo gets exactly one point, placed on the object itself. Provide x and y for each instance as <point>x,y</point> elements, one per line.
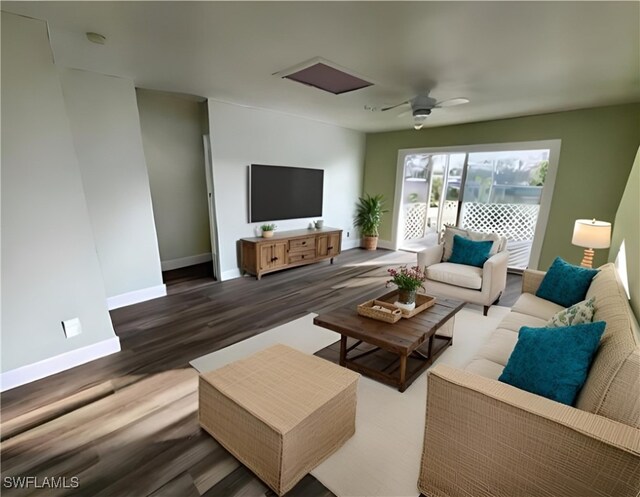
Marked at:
<point>327,78</point>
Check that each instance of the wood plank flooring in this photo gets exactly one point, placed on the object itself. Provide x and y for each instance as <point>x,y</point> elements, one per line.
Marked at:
<point>126,425</point>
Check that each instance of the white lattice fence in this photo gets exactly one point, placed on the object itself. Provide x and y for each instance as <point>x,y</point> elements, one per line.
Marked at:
<point>415,216</point>
<point>515,221</point>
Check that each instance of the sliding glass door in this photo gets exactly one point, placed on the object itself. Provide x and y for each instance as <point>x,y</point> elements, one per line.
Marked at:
<point>492,189</point>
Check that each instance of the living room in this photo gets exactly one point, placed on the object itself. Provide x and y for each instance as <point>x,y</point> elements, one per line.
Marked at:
<point>128,132</point>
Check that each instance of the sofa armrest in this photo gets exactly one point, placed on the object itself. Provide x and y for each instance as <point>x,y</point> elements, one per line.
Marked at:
<point>531,279</point>
<point>430,256</point>
<point>483,437</point>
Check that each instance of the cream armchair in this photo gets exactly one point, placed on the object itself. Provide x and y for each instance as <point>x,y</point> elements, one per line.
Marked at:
<point>482,286</point>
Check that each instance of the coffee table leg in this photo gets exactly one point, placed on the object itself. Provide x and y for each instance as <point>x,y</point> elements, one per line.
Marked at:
<point>403,373</point>
<point>343,349</point>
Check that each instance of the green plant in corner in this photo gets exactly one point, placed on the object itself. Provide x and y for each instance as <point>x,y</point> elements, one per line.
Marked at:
<point>369,211</point>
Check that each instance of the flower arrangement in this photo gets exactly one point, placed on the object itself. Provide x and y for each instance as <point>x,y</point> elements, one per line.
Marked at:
<point>409,279</point>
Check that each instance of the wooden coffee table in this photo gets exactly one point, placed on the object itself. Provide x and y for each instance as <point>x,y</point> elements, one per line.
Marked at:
<point>404,349</point>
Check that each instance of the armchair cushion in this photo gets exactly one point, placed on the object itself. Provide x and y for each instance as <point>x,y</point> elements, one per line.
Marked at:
<point>553,362</point>
<point>466,251</point>
<point>456,274</point>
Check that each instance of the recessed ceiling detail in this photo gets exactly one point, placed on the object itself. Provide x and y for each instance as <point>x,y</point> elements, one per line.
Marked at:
<point>323,76</point>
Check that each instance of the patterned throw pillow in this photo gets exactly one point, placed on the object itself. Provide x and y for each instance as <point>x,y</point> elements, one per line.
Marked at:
<point>565,284</point>
<point>553,362</point>
<point>580,313</point>
<point>468,252</point>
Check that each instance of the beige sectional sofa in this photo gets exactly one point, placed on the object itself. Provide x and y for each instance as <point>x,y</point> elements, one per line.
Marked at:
<point>487,438</point>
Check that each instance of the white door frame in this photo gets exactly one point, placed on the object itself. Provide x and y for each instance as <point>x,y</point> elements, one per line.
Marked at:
<point>213,226</point>
<point>545,201</point>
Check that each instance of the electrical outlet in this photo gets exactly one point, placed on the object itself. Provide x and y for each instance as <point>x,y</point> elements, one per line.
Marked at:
<point>71,327</point>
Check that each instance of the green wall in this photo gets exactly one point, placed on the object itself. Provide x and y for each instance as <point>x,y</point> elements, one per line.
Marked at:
<point>627,227</point>
<point>598,146</point>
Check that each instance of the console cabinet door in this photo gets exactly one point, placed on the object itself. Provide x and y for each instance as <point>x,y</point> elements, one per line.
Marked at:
<point>333,247</point>
<point>322,245</point>
<point>273,255</point>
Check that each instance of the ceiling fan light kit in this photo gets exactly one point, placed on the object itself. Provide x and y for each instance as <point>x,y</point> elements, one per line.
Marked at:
<point>421,107</point>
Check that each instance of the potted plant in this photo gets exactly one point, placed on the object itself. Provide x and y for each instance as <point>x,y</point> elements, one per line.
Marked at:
<point>267,230</point>
<point>369,211</point>
<point>408,280</point>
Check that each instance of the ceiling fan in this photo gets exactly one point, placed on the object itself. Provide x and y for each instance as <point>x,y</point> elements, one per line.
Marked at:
<point>421,107</point>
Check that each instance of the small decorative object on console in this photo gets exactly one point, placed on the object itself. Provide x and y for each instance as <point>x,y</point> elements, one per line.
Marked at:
<point>408,280</point>
<point>267,230</point>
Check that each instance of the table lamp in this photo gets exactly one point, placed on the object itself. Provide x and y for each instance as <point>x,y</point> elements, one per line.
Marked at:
<point>591,234</point>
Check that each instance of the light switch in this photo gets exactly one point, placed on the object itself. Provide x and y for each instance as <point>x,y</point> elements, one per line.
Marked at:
<point>71,327</point>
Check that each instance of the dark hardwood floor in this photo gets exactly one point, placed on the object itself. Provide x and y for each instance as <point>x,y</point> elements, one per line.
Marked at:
<point>126,424</point>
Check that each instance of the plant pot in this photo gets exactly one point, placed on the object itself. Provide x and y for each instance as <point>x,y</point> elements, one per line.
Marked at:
<point>406,299</point>
<point>267,234</point>
<point>371,242</point>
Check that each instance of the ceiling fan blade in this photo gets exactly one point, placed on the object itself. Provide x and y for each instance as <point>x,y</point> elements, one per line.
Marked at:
<point>450,102</point>
<point>394,106</point>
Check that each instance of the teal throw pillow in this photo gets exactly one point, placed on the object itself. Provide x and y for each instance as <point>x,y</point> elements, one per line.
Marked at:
<point>468,252</point>
<point>553,362</point>
<point>565,284</point>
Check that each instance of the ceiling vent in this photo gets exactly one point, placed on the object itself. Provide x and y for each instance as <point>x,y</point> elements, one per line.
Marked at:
<point>324,75</point>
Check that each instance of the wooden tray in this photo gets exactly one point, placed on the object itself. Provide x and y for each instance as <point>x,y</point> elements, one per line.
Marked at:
<point>423,302</point>
<point>366,309</point>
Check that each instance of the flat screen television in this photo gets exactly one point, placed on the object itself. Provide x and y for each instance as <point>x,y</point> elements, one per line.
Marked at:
<point>279,192</point>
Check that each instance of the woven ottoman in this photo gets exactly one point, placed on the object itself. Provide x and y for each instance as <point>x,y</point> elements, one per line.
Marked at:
<point>280,412</point>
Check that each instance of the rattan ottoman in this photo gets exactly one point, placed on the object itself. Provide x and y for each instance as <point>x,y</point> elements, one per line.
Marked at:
<point>280,412</point>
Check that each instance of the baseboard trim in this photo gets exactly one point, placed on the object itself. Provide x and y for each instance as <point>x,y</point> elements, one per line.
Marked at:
<point>137,296</point>
<point>67,360</point>
<point>185,261</point>
<point>230,274</point>
<point>351,243</point>
<point>386,244</point>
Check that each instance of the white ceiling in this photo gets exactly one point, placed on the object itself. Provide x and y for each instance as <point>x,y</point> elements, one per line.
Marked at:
<point>509,58</point>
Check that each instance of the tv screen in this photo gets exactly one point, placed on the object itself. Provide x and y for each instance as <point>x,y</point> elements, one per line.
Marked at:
<point>278,192</point>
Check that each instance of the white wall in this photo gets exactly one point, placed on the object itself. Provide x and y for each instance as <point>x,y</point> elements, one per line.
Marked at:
<point>172,137</point>
<point>241,136</point>
<point>50,270</point>
<point>106,134</point>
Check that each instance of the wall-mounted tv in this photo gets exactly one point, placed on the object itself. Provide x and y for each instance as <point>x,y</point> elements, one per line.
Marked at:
<point>279,192</point>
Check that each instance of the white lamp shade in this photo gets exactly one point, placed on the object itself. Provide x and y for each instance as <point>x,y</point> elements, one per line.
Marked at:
<point>590,233</point>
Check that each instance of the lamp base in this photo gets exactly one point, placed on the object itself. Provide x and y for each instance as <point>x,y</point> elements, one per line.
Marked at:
<point>587,259</point>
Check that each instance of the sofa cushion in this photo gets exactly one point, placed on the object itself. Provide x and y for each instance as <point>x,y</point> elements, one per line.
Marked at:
<point>579,313</point>
<point>553,362</point>
<point>565,284</point>
<point>447,240</point>
<point>485,367</point>
<point>468,252</point>
<point>516,320</point>
<point>535,306</point>
<point>499,346</point>
<point>456,274</point>
<point>615,371</point>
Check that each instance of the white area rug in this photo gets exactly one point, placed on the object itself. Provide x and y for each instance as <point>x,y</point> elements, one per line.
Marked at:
<point>383,457</point>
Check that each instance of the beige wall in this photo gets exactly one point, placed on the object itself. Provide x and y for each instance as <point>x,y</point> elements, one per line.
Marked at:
<point>106,134</point>
<point>50,270</point>
<point>627,227</point>
<point>172,138</point>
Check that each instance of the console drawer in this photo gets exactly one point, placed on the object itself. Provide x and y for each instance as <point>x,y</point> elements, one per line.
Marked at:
<point>306,255</point>
<point>302,244</point>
